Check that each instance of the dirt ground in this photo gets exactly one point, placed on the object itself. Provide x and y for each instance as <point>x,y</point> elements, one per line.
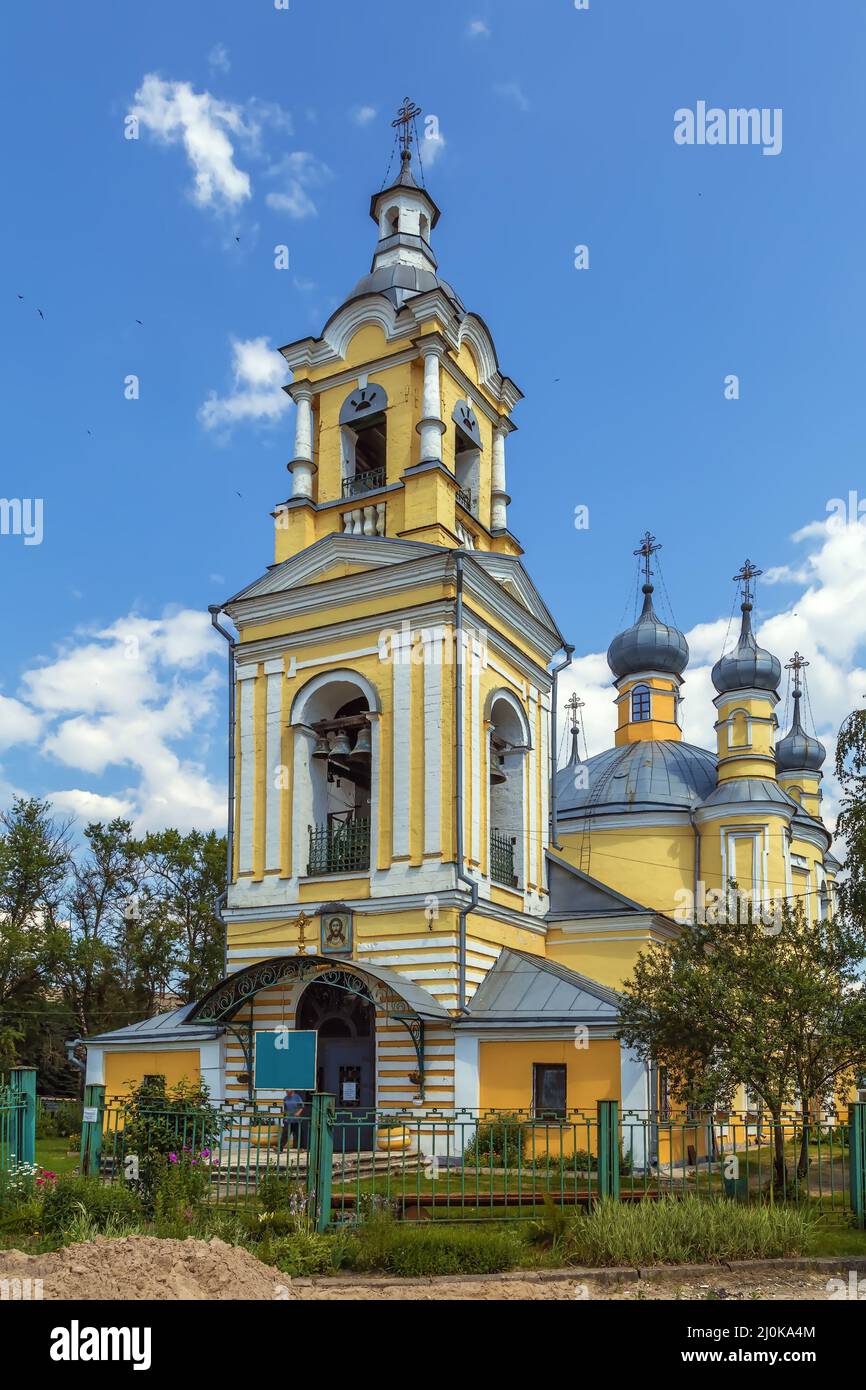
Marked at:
<point>144,1268</point>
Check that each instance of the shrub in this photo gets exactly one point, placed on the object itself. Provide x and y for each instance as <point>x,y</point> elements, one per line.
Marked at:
<point>302,1254</point>
<point>496,1144</point>
<point>158,1123</point>
<point>389,1247</point>
<point>692,1230</point>
<point>103,1205</point>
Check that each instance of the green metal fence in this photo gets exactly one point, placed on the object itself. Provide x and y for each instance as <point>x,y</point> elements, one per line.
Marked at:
<point>17,1118</point>
<point>480,1165</point>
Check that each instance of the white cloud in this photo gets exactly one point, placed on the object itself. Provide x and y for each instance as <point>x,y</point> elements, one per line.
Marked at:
<point>826,621</point>
<point>18,724</point>
<point>363,115</point>
<point>433,143</point>
<point>512,91</point>
<point>258,375</point>
<point>218,58</point>
<point>140,695</point>
<point>477,29</point>
<point>207,128</point>
<point>299,172</point>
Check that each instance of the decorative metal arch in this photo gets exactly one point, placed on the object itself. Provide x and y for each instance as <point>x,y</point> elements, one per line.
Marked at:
<point>222,1003</point>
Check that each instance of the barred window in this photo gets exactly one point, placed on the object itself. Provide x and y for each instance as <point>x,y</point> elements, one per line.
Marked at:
<point>640,702</point>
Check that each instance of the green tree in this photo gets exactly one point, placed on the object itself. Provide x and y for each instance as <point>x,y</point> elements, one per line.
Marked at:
<point>777,1007</point>
<point>35,858</point>
<point>186,874</point>
<point>851,824</point>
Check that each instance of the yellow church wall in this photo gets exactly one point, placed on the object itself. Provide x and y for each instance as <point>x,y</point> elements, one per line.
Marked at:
<point>124,1070</point>
<point>607,958</point>
<point>592,1074</point>
<point>649,864</point>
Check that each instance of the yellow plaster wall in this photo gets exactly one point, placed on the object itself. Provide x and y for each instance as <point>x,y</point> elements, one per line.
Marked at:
<point>123,1070</point>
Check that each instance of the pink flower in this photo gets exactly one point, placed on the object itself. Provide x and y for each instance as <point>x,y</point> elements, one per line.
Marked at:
<point>172,1158</point>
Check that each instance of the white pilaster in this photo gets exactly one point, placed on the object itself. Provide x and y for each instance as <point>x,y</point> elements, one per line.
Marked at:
<point>246,716</point>
<point>401,657</point>
<point>434,651</point>
<point>273,760</point>
<point>532,817</point>
<point>634,1083</point>
<point>475,733</point>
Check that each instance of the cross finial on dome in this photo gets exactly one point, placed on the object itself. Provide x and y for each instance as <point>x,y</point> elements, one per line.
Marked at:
<point>405,125</point>
<point>744,576</point>
<point>647,548</point>
<point>574,706</point>
<point>796,664</point>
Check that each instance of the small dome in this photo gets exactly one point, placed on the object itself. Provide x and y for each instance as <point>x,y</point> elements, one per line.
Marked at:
<point>748,666</point>
<point>649,645</point>
<point>798,751</point>
<point>400,282</point>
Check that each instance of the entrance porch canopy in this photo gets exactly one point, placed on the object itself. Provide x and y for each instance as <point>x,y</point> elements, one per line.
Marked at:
<point>387,990</point>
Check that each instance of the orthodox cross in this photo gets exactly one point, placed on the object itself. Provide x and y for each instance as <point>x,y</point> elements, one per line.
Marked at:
<point>302,922</point>
<point>796,664</point>
<point>648,546</point>
<point>744,576</point>
<point>404,124</point>
<point>574,705</point>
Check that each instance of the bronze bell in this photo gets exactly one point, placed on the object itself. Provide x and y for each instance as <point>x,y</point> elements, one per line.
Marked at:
<point>497,771</point>
<point>363,746</point>
<point>342,747</point>
<point>322,749</point>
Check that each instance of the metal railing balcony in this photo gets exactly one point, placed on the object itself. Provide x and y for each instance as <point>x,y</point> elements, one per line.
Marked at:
<point>502,859</point>
<point>464,498</point>
<point>367,481</point>
<point>339,847</point>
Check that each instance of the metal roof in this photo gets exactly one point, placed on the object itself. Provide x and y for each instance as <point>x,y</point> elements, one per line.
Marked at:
<point>647,775</point>
<point>522,989</point>
<point>649,645</point>
<point>168,1027</point>
<point>748,666</point>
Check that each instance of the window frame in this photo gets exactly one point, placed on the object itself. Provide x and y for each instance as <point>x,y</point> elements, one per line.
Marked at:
<point>549,1112</point>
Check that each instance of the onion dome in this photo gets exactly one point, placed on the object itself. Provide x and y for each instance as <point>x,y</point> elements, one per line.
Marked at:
<point>648,645</point>
<point>748,666</point>
<point>798,751</point>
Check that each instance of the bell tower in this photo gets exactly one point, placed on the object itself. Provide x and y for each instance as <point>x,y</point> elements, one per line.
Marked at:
<point>401,412</point>
<point>391,745</point>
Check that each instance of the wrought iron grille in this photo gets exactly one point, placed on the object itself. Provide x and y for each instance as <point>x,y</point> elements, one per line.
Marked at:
<point>367,481</point>
<point>464,497</point>
<point>339,847</point>
<point>502,858</point>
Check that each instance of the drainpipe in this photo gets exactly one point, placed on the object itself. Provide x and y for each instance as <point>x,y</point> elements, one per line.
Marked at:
<point>554,828</point>
<point>462,876</point>
<point>215,610</point>
<point>697,873</point>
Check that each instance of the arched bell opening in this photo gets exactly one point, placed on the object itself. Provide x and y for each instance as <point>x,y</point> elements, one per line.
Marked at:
<point>508,744</point>
<point>340,774</point>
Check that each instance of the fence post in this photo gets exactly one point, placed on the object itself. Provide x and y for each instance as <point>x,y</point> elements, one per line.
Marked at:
<point>23,1081</point>
<point>91,1129</point>
<point>608,1148</point>
<point>320,1157</point>
<point>857,1160</point>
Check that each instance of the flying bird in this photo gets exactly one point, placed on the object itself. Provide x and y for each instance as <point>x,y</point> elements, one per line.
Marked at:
<point>40,313</point>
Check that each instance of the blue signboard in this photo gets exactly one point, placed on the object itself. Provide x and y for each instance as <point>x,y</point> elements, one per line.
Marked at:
<point>285,1059</point>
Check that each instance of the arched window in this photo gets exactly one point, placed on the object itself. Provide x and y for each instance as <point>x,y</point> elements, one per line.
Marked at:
<point>641,703</point>
<point>739,729</point>
<point>467,456</point>
<point>364,440</point>
<point>335,771</point>
<point>508,746</point>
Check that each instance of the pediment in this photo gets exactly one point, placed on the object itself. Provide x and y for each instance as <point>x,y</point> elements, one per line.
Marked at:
<point>333,557</point>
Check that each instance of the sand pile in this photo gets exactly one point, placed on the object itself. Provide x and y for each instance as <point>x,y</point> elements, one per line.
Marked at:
<point>144,1267</point>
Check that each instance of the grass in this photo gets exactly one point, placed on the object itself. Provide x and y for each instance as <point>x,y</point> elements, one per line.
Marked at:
<point>686,1231</point>
<point>52,1153</point>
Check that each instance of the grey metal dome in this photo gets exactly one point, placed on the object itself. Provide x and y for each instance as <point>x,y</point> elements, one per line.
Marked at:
<point>399,282</point>
<point>798,751</point>
<point>652,774</point>
<point>649,645</point>
<point>748,666</point>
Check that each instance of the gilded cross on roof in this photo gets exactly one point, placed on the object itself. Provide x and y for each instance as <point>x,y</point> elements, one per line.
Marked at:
<point>404,123</point>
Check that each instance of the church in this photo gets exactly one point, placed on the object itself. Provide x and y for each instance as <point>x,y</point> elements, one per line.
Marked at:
<point>413,884</point>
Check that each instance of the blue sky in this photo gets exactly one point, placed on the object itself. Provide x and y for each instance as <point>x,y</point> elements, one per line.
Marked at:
<point>557,130</point>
